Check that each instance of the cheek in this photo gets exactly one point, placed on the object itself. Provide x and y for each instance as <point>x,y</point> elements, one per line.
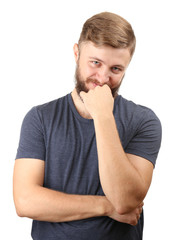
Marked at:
<point>90,72</point>
<point>85,70</point>
<point>115,81</point>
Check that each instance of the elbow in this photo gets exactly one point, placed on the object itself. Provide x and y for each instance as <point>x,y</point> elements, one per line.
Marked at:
<point>126,206</point>
<point>20,213</point>
<point>23,202</point>
<point>20,206</point>
<point>124,209</point>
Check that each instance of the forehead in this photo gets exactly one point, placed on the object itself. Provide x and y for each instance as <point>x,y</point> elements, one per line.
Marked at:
<point>108,54</point>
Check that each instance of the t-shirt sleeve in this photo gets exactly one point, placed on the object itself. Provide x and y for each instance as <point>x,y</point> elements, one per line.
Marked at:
<point>147,138</point>
<point>31,143</point>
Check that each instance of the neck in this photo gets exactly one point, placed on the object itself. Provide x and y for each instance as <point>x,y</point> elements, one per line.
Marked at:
<point>80,105</point>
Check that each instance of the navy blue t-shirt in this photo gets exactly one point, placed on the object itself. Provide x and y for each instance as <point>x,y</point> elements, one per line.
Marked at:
<point>56,133</point>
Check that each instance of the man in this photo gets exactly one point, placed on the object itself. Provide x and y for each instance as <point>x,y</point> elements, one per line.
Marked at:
<point>85,161</point>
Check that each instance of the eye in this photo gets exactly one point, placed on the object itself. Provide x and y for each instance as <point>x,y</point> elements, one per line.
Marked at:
<point>116,69</point>
<point>95,62</point>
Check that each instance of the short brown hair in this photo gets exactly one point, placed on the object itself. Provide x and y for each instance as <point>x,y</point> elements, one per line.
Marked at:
<point>108,29</point>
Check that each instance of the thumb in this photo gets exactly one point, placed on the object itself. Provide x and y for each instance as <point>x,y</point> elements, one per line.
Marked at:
<point>82,95</point>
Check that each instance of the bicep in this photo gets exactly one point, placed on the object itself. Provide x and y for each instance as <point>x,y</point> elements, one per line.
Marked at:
<point>144,168</point>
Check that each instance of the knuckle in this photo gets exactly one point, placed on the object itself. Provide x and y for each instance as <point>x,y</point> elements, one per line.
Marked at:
<point>134,222</point>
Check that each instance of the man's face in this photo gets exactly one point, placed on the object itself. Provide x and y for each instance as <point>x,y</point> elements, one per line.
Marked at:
<point>99,66</point>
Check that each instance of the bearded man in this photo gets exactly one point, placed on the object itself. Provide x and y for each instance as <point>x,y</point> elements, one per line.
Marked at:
<point>85,161</point>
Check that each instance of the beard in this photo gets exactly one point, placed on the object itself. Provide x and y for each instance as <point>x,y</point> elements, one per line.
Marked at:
<point>80,83</point>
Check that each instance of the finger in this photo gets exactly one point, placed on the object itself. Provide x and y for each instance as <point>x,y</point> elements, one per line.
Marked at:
<point>141,204</point>
<point>138,216</point>
<point>82,95</point>
<point>134,222</point>
<point>140,207</point>
<point>140,210</point>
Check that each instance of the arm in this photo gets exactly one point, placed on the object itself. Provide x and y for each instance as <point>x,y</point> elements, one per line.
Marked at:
<point>37,202</point>
<point>125,178</point>
<point>34,201</point>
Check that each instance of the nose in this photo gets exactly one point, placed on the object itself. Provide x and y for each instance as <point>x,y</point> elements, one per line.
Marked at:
<point>103,76</point>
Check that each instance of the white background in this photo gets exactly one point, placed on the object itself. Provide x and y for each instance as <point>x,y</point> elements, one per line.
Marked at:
<point>37,66</point>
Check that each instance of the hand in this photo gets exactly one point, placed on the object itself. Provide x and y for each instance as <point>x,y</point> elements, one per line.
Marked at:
<point>129,218</point>
<point>98,101</point>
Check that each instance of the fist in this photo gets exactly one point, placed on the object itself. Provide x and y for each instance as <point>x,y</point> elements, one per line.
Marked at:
<point>98,101</point>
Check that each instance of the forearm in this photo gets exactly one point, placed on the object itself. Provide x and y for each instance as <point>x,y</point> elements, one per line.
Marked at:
<point>120,181</point>
<point>53,206</point>
<point>48,205</point>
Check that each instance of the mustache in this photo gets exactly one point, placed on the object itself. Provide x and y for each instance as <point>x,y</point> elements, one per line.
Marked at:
<point>93,80</point>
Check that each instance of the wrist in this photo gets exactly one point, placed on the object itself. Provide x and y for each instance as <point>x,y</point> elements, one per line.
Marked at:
<point>103,116</point>
<point>107,207</point>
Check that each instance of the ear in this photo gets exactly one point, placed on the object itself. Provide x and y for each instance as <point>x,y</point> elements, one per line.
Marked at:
<point>76,52</point>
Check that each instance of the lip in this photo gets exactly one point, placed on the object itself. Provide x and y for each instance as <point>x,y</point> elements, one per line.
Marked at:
<point>95,85</point>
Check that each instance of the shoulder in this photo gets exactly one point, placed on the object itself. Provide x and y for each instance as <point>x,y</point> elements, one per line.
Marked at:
<point>129,110</point>
<point>51,106</point>
<point>136,120</point>
<point>48,109</point>
<point>44,114</point>
<point>141,127</point>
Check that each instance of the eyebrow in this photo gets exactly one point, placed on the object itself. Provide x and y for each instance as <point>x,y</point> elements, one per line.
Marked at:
<point>115,65</point>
